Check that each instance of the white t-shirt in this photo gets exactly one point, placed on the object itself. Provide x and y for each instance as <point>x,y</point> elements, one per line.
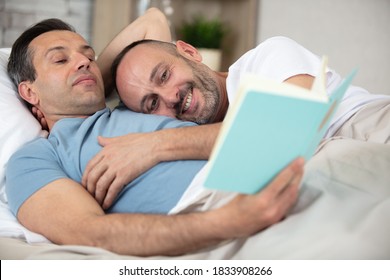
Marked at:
<point>280,58</point>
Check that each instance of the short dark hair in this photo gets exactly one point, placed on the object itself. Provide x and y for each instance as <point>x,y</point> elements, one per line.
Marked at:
<point>20,67</point>
<point>169,47</point>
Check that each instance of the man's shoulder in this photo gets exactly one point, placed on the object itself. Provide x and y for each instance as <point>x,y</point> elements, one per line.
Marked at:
<point>267,47</point>
<point>32,148</point>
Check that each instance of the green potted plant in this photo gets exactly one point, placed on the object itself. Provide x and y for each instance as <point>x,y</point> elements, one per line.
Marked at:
<point>207,36</point>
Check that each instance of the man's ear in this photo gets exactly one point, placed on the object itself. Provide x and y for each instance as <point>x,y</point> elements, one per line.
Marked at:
<point>27,93</point>
<point>188,51</point>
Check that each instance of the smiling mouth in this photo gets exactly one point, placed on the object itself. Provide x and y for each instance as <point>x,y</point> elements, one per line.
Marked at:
<point>187,100</point>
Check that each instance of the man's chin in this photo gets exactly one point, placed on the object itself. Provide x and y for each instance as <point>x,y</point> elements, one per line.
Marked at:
<point>201,121</point>
<point>188,119</point>
<point>196,119</point>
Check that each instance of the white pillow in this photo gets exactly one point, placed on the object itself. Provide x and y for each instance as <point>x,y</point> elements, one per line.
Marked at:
<point>17,124</point>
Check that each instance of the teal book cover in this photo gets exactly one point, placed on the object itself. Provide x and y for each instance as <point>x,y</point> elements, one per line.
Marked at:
<point>269,125</point>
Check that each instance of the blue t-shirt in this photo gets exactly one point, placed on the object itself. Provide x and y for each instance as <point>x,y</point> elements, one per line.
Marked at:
<point>73,142</point>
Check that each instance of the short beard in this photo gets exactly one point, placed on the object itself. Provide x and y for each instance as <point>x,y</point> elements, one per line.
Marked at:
<point>208,87</point>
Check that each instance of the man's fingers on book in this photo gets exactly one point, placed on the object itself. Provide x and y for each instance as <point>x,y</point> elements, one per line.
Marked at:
<point>285,177</point>
<point>288,197</point>
<point>298,164</point>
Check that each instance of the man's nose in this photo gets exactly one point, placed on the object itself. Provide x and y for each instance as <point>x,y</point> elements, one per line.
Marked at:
<point>82,61</point>
<point>170,98</point>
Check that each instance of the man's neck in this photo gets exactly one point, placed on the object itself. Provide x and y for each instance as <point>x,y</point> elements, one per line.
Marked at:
<point>52,122</point>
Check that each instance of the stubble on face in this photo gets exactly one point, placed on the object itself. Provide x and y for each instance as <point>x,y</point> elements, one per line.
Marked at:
<point>204,82</point>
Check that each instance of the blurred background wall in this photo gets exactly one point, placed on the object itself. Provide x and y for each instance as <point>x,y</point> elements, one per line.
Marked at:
<point>17,15</point>
<point>353,33</point>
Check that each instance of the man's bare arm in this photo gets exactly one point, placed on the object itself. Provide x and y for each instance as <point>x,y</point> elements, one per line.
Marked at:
<point>301,80</point>
<point>125,158</point>
<point>66,214</point>
<point>152,25</point>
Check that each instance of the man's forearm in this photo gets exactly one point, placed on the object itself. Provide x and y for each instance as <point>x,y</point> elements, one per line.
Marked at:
<point>72,216</point>
<point>187,143</point>
<point>148,235</point>
<point>152,25</point>
<point>241,217</point>
<point>127,157</point>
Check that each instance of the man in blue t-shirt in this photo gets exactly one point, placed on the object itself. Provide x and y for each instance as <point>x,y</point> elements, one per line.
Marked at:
<point>55,70</point>
<point>71,144</point>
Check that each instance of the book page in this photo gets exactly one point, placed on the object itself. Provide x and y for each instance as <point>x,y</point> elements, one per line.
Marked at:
<point>319,85</point>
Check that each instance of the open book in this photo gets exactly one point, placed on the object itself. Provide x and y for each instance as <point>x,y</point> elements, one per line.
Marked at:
<point>269,125</point>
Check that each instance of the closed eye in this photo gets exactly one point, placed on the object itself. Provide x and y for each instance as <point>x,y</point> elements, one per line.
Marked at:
<point>61,61</point>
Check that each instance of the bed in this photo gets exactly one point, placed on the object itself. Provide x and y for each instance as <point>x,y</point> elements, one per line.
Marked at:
<point>343,210</point>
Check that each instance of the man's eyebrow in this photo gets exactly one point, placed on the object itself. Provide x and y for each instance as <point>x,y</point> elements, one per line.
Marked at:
<point>87,48</point>
<point>151,79</point>
<point>61,48</point>
<point>154,71</point>
<point>56,48</point>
